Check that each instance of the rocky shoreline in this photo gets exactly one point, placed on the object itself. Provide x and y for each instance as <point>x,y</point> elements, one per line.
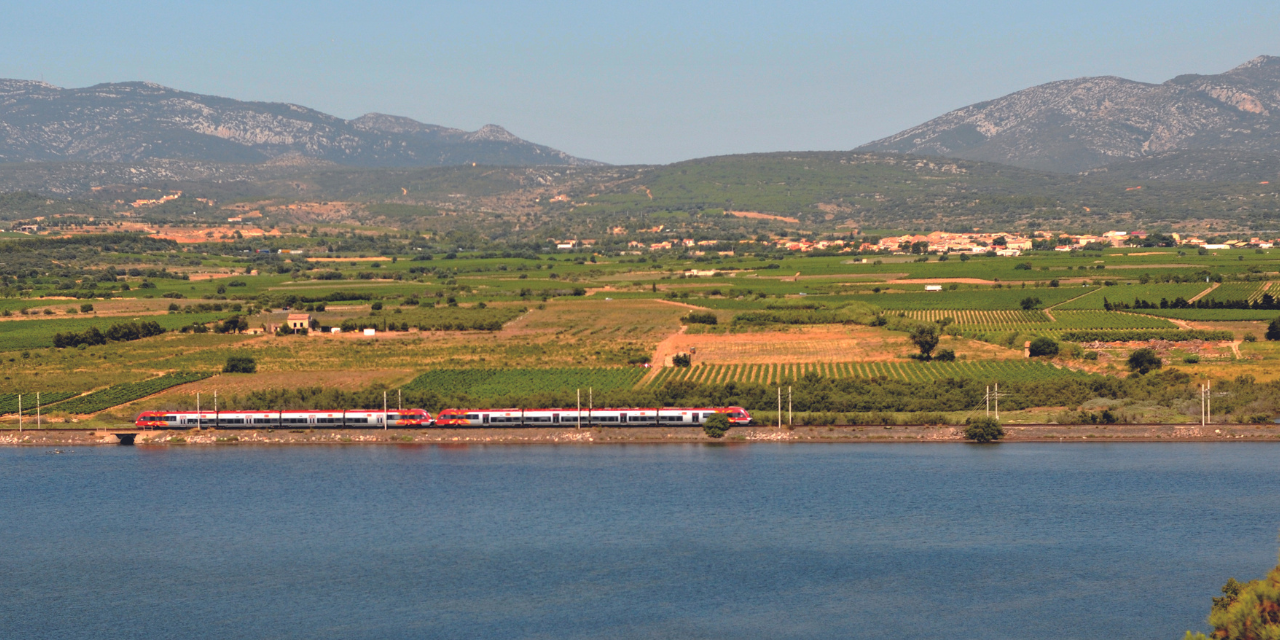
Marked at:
<point>638,435</point>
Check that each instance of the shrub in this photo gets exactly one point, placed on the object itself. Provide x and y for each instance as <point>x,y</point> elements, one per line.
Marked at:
<point>1028,303</point>
<point>1143,361</point>
<point>985,429</point>
<point>1191,359</point>
<point>716,426</point>
<point>681,360</point>
<point>700,317</point>
<point>1249,337</point>
<point>1273,330</point>
<point>1043,347</point>
<point>86,308</point>
<point>377,306</point>
<point>240,364</point>
<point>945,355</point>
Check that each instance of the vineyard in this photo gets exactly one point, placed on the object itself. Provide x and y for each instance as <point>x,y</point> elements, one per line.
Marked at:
<point>986,319</point>
<point>491,383</point>
<point>1069,320</point>
<point>1216,315</point>
<point>974,299</point>
<point>126,392</point>
<point>1250,291</point>
<point>9,401</point>
<point>1021,370</point>
<point>1127,294</point>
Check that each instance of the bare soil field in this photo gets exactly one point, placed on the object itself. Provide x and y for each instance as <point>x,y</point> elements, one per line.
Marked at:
<point>825,343</point>
<point>756,215</point>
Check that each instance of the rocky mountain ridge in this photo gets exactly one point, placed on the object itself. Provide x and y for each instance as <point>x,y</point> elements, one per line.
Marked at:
<point>140,121</point>
<point>1077,125</point>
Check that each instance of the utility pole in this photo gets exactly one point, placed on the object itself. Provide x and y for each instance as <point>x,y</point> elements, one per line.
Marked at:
<point>199,416</point>
<point>987,397</point>
<point>790,416</point>
<point>591,403</point>
<point>38,425</point>
<point>1208,400</point>
<point>997,401</point>
<point>19,413</point>
<point>384,410</point>
<point>399,401</point>
<point>579,408</point>
<point>779,407</point>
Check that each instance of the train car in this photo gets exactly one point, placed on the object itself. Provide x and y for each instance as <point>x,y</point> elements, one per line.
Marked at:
<point>353,419</point>
<point>636,417</point>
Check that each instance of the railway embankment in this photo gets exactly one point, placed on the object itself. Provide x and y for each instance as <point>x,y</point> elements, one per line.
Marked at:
<point>636,435</point>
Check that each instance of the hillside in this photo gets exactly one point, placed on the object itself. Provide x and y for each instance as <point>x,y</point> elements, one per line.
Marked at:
<point>1075,125</point>
<point>139,121</point>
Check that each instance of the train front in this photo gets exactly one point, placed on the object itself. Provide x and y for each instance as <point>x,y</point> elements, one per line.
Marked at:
<point>151,419</point>
<point>737,416</point>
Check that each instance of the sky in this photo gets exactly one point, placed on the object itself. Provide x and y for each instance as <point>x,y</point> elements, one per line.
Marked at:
<point>629,82</point>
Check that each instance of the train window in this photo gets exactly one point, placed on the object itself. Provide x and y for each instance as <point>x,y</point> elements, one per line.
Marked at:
<point>358,420</point>
<point>472,416</point>
<point>538,419</point>
<point>638,419</point>
<point>393,416</point>
<point>606,418</point>
<point>672,418</point>
<point>263,421</point>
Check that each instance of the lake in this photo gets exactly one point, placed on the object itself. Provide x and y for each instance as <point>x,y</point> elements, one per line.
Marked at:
<point>631,541</point>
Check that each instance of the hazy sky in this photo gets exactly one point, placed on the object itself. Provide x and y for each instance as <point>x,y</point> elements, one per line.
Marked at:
<point>633,82</point>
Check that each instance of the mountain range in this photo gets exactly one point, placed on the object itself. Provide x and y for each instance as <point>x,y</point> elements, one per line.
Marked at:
<point>1072,126</point>
<point>140,121</point>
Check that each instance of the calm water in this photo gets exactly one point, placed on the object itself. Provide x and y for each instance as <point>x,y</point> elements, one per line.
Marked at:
<point>759,541</point>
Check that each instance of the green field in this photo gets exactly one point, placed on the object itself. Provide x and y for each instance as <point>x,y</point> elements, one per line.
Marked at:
<point>995,371</point>
<point>1250,291</point>
<point>119,394</point>
<point>493,383</point>
<point>16,335</point>
<point>977,299</point>
<point>9,401</point>
<point>1127,293</point>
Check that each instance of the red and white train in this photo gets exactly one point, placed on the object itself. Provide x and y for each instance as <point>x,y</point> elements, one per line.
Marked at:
<point>671,416</point>
<point>402,418</point>
<point>282,419</point>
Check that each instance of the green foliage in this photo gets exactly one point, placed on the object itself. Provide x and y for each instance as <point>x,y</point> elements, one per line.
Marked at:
<point>122,332</point>
<point>240,364</point>
<point>985,429</point>
<point>1159,334</point>
<point>1144,361</point>
<point>1245,611</point>
<point>681,360</point>
<point>700,317</point>
<point>1273,330</point>
<point>716,425</point>
<point>925,337</point>
<point>1030,302</point>
<point>1043,347</point>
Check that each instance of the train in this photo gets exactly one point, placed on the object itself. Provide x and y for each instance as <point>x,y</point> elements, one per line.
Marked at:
<point>362,418</point>
<point>669,416</point>
<point>409,418</point>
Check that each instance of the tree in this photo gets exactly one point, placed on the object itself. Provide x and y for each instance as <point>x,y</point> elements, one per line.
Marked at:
<point>1273,330</point>
<point>681,360</point>
<point>239,364</point>
<point>716,426</point>
<point>1143,361</point>
<point>1043,346</point>
<point>925,337</point>
<point>945,355</point>
<point>1246,611</point>
<point>1030,302</point>
<point>985,429</point>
